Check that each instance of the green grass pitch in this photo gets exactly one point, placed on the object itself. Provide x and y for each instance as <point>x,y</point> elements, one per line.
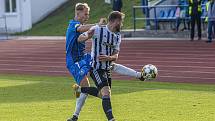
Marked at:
<point>42,98</point>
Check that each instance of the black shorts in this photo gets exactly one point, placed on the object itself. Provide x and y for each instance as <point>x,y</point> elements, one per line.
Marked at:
<point>101,77</point>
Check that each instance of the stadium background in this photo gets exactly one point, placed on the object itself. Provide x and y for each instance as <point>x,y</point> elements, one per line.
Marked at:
<point>43,57</point>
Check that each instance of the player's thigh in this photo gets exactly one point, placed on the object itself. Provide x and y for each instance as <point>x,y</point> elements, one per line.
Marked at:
<point>99,77</point>
<point>85,82</point>
<point>79,71</point>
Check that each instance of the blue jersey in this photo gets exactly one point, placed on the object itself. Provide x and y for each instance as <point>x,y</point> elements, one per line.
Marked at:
<point>78,63</point>
<point>74,49</point>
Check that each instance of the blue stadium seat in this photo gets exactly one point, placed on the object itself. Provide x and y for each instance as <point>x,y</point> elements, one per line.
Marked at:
<point>166,14</point>
<point>171,14</point>
<point>161,14</point>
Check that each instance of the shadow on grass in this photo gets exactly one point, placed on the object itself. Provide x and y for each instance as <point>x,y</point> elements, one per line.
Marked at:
<point>59,88</point>
<point>134,86</point>
<point>35,92</point>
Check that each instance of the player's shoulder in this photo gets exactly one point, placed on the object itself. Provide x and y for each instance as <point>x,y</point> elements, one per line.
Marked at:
<point>74,23</point>
<point>99,27</point>
<point>104,27</point>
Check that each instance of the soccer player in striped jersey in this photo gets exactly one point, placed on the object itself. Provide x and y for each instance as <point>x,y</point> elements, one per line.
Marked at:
<point>105,49</point>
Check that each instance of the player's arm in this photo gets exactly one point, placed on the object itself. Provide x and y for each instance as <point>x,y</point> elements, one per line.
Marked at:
<point>86,35</point>
<point>113,57</point>
<point>84,28</point>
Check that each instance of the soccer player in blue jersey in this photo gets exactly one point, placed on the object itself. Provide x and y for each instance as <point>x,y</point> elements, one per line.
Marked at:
<point>78,61</point>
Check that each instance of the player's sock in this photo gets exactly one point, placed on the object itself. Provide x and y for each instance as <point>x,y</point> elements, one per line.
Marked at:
<point>123,70</point>
<point>80,103</point>
<point>106,103</point>
<point>90,90</point>
<point>138,75</point>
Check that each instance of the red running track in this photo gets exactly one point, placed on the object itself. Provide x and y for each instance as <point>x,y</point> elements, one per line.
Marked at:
<point>177,61</point>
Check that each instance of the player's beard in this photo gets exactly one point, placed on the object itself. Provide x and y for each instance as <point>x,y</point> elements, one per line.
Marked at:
<point>118,28</point>
<point>85,21</point>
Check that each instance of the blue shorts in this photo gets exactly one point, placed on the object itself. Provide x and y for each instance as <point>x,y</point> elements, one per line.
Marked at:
<point>80,68</point>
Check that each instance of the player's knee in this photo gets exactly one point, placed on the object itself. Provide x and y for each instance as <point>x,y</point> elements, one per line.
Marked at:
<point>105,91</point>
<point>99,95</point>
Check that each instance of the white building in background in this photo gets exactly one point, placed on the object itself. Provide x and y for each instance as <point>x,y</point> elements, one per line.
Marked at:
<point>19,15</point>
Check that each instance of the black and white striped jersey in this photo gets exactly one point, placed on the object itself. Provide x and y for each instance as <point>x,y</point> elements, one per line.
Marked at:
<point>104,42</point>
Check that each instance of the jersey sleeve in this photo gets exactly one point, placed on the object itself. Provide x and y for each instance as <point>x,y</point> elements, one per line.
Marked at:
<point>74,26</point>
<point>96,30</point>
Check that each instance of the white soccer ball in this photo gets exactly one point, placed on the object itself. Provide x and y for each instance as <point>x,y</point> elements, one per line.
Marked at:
<point>149,72</point>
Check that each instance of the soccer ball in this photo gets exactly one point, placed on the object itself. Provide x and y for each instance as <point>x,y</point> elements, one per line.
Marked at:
<point>149,72</point>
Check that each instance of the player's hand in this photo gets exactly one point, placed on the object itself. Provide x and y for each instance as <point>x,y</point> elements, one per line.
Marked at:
<point>90,33</point>
<point>104,58</point>
<point>102,21</point>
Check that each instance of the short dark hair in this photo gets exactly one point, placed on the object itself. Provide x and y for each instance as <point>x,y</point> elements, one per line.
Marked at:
<point>115,15</point>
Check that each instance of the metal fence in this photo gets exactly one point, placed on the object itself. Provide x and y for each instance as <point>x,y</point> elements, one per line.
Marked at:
<point>153,14</point>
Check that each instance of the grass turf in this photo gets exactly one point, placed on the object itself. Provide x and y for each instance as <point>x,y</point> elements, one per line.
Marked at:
<point>43,98</point>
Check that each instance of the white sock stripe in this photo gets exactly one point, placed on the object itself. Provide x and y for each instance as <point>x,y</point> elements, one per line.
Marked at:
<point>110,110</point>
<point>112,119</point>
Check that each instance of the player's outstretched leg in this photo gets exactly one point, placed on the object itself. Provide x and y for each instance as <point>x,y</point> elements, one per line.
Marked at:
<point>123,70</point>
